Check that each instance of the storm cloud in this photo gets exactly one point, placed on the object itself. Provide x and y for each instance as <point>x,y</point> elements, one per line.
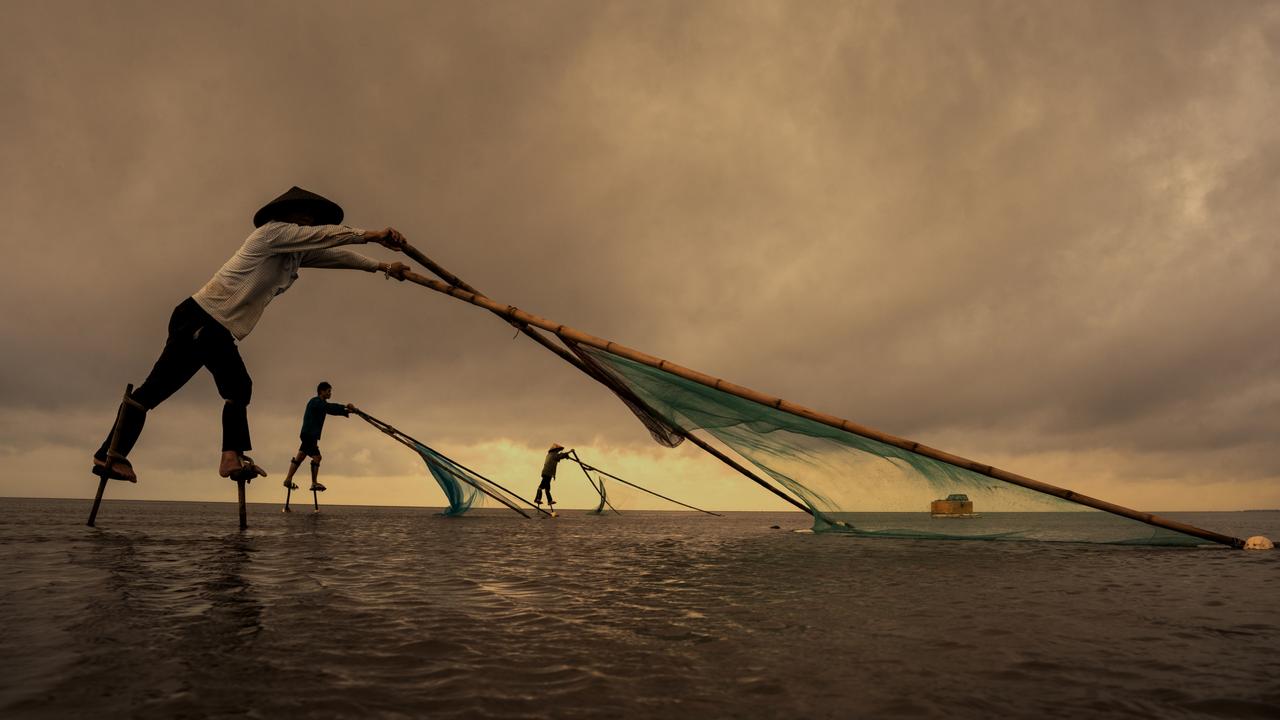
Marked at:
<point>1038,234</point>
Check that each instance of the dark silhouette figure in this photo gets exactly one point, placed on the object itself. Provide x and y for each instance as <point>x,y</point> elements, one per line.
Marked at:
<point>298,229</point>
<point>555,454</point>
<point>312,426</point>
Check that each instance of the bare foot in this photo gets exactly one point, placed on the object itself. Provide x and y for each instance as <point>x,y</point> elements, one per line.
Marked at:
<point>119,469</point>
<point>239,467</point>
<point>229,463</point>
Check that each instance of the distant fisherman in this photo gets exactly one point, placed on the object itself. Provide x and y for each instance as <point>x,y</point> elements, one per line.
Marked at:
<point>312,426</point>
<point>554,455</point>
<point>297,230</point>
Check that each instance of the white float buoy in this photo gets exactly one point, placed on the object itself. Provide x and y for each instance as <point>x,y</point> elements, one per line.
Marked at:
<point>1258,542</point>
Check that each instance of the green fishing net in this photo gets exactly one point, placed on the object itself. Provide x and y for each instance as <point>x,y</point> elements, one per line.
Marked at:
<point>605,505</point>
<point>863,486</point>
<point>461,486</point>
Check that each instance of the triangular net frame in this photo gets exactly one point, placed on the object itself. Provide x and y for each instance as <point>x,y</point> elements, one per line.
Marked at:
<point>860,485</point>
<point>848,477</point>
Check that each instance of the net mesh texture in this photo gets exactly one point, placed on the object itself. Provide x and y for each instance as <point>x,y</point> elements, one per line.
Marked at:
<point>863,486</point>
<point>461,486</point>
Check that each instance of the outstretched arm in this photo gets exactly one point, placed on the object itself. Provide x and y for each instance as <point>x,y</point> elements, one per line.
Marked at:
<point>289,238</point>
<point>341,258</point>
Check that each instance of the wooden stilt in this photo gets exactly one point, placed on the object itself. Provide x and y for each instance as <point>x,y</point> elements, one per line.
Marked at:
<point>315,498</point>
<point>244,520</point>
<point>97,500</point>
<point>288,492</point>
<point>112,448</point>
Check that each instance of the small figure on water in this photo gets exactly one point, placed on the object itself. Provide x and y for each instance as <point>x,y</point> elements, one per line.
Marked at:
<point>554,455</point>
<point>298,229</point>
<point>312,426</point>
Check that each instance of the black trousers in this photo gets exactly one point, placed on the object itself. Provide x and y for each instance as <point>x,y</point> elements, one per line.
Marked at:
<point>310,446</point>
<point>544,485</point>
<point>196,340</point>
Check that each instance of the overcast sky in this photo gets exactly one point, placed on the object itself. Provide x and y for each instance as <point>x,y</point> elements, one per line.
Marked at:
<point>1041,235</point>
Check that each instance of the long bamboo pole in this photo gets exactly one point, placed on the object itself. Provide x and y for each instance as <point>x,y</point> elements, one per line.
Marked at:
<point>409,442</point>
<point>489,480</point>
<point>513,313</point>
<point>598,488</point>
<point>577,362</point>
<point>523,327</point>
<point>586,467</point>
<point>413,444</point>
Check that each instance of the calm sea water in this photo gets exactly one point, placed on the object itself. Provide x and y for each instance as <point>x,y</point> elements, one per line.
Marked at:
<point>167,611</point>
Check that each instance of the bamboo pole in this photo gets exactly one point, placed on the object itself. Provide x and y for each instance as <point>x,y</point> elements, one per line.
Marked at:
<point>409,442</point>
<point>599,485</point>
<point>97,500</point>
<point>603,500</point>
<point>413,444</point>
<point>577,362</point>
<point>500,487</point>
<point>455,281</point>
<point>513,313</point>
<point>586,467</point>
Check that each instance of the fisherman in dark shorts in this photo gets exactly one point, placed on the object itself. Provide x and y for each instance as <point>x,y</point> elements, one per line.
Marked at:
<point>312,426</point>
<point>554,455</point>
<point>297,230</point>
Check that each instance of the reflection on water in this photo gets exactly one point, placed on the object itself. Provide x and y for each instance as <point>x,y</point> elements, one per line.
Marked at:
<point>167,611</point>
<point>1080,525</point>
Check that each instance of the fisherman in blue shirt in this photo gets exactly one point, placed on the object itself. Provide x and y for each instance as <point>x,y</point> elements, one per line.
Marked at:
<point>312,426</point>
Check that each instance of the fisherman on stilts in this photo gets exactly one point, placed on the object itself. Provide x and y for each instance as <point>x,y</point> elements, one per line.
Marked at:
<point>555,454</point>
<point>297,230</point>
<point>312,427</point>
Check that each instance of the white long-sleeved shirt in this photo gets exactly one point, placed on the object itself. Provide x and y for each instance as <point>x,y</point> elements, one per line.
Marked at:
<point>267,264</point>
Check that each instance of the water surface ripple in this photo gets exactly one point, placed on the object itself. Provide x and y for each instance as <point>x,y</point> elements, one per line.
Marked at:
<point>167,611</point>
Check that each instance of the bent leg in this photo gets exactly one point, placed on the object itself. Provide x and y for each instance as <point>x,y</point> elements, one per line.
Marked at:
<point>178,362</point>
<point>294,462</point>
